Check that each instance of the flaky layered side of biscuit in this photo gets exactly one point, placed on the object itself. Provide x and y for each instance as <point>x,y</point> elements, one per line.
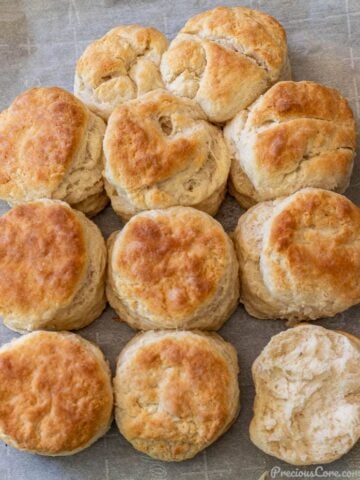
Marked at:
<point>175,392</point>
<point>307,408</point>
<point>298,134</point>
<point>52,267</point>
<point>225,58</point>
<point>83,185</point>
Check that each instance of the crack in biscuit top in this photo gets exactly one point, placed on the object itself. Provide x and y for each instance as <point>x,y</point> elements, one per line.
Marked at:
<point>224,59</point>
<point>170,263</point>
<point>42,258</point>
<point>297,134</point>
<point>311,248</point>
<point>40,135</point>
<point>113,55</point>
<point>248,32</point>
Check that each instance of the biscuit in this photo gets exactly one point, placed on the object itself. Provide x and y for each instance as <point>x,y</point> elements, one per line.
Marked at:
<point>118,67</point>
<point>299,256</point>
<point>225,58</point>
<point>51,147</point>
<point>307,405</point>
<point>297,135</point>
<point>172,268</point>
<point>52,267</point>
<point>55,393</point>
<point>176,392</point>
<point>161,152</point>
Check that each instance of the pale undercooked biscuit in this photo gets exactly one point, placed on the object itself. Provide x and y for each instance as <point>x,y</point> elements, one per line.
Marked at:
<point>161,152</point>
<point>307,404</point>
<point>52,267</point>
<point>120,66</point>
<point>55,393</point>
<point>175,392</point>
<point>299,256</point>
<point>225,58</point>
<point>298,134</point>
<point>172,268</point>
<point>51,147</point>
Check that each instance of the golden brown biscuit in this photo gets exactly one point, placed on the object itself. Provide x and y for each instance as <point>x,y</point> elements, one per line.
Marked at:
<point>118,67</point>
<point>51,147</point>
<point>161,152</point>
<point>172,268</point>
<point>300,256</point>
<point>225,58</point>
<point>55,393</point>
<point>52,267</point>
<point>307,405</point>
<point>175,392</point>
<point>298,134</point>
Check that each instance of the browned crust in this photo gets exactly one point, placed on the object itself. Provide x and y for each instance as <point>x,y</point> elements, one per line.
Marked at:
<point>42,257</point>
<point>40,134</point>
<point>173,263</point>
<point>55,393</point>
<point>139,153</point>
<point>317,236</point>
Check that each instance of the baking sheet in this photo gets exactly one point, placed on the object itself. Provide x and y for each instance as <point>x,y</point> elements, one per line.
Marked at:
<point>40,41</point>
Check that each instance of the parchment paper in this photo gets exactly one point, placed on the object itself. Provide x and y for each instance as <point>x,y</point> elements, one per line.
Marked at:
<point>40,41</point>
